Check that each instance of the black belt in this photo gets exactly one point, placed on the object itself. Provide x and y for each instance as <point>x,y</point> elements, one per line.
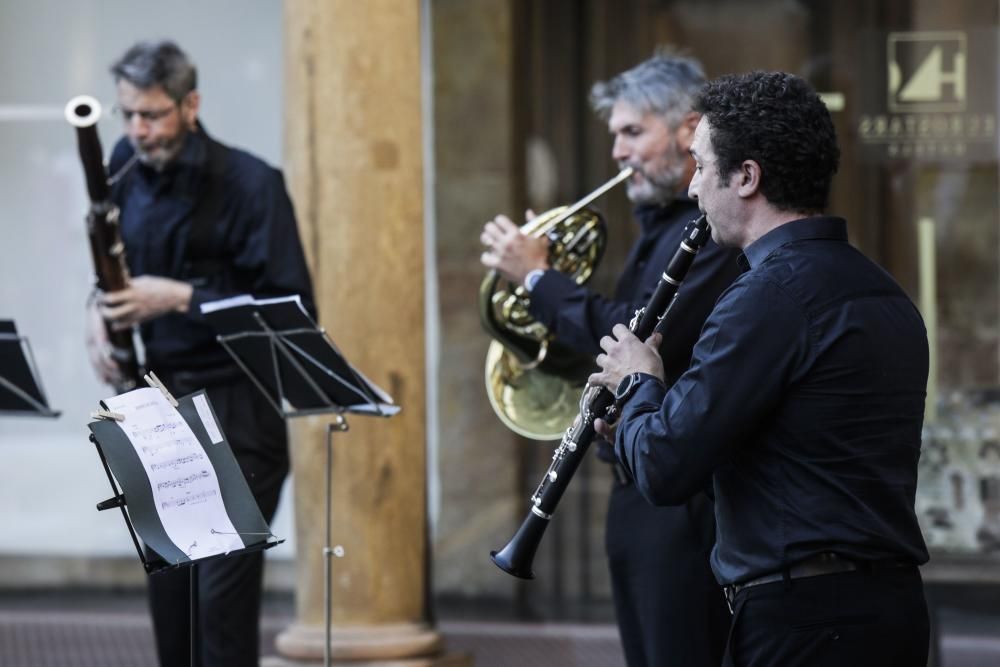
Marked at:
<point>814,566</point>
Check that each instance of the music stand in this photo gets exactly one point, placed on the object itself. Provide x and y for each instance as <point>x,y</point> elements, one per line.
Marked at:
<point>301,372</point>
<point>21,391</point>
<point>122,462</point>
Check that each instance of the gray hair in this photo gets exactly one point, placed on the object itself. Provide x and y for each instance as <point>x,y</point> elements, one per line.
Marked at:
<point>149,64</point>
<point>666,84</point>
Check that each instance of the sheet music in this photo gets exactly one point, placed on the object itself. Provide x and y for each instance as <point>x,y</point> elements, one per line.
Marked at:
<point>185,488</point>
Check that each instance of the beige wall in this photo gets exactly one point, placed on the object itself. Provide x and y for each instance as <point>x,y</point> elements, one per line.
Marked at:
<point>475,162</point>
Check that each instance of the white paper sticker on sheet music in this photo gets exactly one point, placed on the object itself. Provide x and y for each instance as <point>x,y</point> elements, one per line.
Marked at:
<point>207,419</point>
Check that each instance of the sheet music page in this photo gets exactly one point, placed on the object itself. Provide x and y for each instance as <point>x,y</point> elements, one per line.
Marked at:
<point>185,487</point>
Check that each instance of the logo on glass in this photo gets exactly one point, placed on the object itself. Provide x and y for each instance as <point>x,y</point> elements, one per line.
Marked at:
<point>927,71</point>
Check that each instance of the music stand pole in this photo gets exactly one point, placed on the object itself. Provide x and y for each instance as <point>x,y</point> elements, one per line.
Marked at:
<point>193,601</point>
<point>290,354</point>
<point>339,424</point>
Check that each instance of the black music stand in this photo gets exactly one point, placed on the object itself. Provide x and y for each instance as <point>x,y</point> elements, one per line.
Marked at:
<point>20,385</point>
<point>301,372</point>
<point>122,463</point>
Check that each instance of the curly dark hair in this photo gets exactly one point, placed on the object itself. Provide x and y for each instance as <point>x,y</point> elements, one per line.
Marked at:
<point>778,121</point>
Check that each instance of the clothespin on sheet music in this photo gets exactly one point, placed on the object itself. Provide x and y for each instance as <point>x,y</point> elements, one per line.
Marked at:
<point>154,382</point>
<point>102,413</point>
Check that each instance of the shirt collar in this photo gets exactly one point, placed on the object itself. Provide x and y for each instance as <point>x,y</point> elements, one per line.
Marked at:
<point>194,152</point>
<point>817,227</point>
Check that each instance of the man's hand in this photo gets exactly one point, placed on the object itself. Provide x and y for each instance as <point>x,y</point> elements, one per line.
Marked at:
<point>624,354</point>
<point>512,252</point>
<point>99,348</point>
<point>145,297</point>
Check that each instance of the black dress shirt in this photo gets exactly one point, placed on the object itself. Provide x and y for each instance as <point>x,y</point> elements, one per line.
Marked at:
<point>253,246</point>
<point>579,317</point>
<point>805,398</point>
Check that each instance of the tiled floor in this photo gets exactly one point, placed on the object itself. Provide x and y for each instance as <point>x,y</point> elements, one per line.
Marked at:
<point>107,630</point>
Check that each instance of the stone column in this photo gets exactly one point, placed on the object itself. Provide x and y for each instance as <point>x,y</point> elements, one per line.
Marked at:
<point>354,166</point>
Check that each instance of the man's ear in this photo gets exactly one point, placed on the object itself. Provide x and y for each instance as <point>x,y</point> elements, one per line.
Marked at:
<point>748,175</point>
<point>189,108</point>
<point>686,128</point>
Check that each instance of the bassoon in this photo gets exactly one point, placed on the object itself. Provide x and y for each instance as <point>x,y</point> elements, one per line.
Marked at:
<point>596,403</point>
<point>106,247</point>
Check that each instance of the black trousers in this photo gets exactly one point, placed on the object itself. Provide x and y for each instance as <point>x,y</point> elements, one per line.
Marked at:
<point>867,618</point>
<point>229,588</point>
<point>669,608</point>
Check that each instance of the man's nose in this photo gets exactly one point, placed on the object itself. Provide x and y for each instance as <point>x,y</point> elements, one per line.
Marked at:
<point>137,126</point>
<point>620,150</point>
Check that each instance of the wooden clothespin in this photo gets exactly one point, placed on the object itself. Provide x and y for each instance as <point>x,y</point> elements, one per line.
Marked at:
<point>154,382</point>
<point>101,413</point>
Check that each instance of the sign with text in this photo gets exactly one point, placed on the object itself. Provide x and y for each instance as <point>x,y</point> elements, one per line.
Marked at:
<point>929,95</point>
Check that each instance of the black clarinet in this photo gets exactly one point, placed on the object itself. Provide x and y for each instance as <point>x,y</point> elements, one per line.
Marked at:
<point>596,403</point>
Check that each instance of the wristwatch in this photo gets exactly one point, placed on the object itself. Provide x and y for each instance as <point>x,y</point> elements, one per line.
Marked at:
<point>627,387</point>
<point>532,278</point>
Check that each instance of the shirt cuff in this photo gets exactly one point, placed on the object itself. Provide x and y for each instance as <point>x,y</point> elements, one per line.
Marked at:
<point>650,392</point>
<point>548,294</point>
<point>532,279</point>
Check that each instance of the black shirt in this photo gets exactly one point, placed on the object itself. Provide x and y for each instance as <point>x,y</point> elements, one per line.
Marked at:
<point>805,397</point>
<point>580,317</point>
<point>252,246</point>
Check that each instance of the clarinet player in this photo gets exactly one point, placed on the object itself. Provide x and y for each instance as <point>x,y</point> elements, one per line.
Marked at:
<point>666,615</point>
<point>819,361</point>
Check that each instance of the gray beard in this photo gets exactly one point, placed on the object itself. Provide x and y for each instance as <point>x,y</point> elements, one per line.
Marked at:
<point>166,153</point>
<point>660,188</point>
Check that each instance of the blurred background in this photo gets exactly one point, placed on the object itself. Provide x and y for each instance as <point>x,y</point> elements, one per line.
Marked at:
<point>913,88</point>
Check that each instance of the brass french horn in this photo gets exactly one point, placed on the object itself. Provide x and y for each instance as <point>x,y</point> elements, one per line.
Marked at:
<point>532,381</point>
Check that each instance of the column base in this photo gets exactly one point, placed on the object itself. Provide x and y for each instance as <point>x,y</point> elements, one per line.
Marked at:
<point>443,660</point>
<point>402,644</point>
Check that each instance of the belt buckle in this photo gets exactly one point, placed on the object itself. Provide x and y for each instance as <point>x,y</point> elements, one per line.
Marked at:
<point>729,592</point>
<point>621,476</point>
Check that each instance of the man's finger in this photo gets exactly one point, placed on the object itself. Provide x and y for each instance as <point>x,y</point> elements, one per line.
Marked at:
<point>114,298</point>
<point>116,312</point>
<point>506,226</point>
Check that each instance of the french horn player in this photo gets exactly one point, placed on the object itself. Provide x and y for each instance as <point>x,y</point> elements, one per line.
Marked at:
<point>668,607</point>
